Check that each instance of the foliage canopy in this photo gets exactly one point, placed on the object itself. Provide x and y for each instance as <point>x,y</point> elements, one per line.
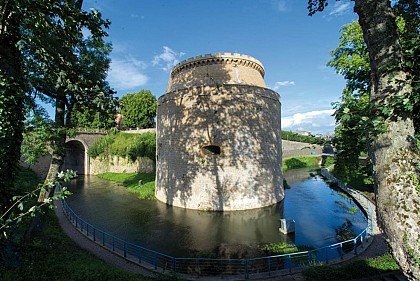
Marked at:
<point>138,109</point>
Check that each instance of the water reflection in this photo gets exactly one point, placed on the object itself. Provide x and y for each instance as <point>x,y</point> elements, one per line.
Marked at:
<point>180,232</point>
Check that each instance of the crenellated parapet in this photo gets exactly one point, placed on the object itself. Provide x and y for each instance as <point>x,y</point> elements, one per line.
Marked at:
<point>219,58</point>
<point>216,69</point>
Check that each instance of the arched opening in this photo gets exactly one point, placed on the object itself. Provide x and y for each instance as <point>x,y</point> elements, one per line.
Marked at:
<point>75,157</point>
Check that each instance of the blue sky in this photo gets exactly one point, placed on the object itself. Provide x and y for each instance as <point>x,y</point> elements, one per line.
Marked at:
<point>150,36</point>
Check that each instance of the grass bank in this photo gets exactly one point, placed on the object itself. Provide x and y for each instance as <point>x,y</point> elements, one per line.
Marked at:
<point>353,270</point>
<point>142,184</point>
<point>51,255</point>
<point>305,161</point>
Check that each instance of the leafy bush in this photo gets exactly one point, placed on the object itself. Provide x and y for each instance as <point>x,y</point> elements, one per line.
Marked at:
<point>125,145</point>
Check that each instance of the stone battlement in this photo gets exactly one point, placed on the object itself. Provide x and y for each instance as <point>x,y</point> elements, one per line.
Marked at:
<point>209,59</point>
<point>217,69</point>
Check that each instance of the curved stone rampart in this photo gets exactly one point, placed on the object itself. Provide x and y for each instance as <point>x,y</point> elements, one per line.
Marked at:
<point>219,148</point>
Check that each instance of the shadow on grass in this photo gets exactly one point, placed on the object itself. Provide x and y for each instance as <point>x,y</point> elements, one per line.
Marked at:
<point>136,179</point>
<point>353,270</point>
<point>294,163</point>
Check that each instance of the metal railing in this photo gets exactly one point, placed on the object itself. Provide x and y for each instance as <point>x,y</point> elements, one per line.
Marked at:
<point>221,267</point>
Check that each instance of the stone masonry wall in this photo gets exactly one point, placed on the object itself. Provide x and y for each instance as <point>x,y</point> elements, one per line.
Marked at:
<point>219,148</point>
<point>294,148</point>
<point>121,165</point>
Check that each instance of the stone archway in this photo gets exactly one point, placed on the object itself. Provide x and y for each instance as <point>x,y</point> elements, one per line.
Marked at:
<point>76,157</point>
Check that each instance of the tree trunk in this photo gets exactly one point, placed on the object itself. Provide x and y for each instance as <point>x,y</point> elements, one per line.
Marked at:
<point>58,151</point>
<point>11,99</point>
<point>393,152</point>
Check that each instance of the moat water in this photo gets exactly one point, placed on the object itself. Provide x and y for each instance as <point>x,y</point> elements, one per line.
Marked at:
<point>318,210</point>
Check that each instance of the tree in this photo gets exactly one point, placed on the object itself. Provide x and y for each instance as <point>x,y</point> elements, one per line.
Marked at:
<point>138,109</point>
<point>351,59</point>
<point>11,98</point>
<point>392,147</point>
<point>65,68</point>
<point>45,55</point>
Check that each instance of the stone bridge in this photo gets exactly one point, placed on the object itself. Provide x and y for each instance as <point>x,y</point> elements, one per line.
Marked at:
<point>77,147</point>
<point>78,160</point>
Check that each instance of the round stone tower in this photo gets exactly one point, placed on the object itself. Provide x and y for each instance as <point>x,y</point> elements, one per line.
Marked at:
<point>219,136</point>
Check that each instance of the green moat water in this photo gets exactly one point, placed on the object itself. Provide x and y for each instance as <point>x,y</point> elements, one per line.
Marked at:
<point>319,212</point>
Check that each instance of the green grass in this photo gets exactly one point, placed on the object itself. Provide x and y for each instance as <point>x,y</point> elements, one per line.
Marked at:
<point>352,210</point>
<point>283,248</point>
<point>51,255</point>
<point>298,162</point>
<point>329,162</point>
<point>142,184</point>
<point>353,270</point>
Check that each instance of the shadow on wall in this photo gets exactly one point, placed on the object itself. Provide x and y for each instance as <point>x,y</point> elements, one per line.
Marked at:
<point>75,158</point>
<point>219,146</point>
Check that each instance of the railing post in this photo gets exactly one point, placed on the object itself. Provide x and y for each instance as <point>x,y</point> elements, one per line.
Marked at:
<point>269,266</point>
<point>246,269</point>
<point>139,255</point>
<point>113,243</point>
<point>326,255</point>
<point>103,238</point>
<point>174,265</point>
<point>355,246</point>
<point>341,250</point>
<point>94,234</point>
<point>125,249</point>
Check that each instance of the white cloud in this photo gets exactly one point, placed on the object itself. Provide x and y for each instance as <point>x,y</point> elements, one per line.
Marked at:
<point>167,59</point>
<point>318,121</point>
<point>340,8</point>
<point>127,73</point>
<point>282,5</point>
<point>279,84</point>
